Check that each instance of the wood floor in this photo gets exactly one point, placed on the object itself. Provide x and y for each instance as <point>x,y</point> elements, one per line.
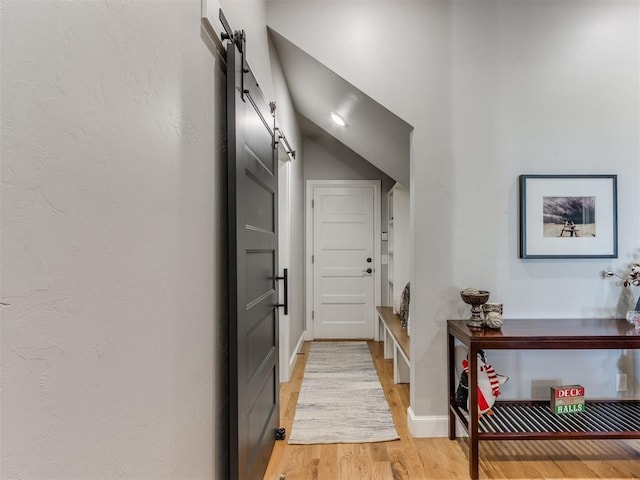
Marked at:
<point>439,458</point>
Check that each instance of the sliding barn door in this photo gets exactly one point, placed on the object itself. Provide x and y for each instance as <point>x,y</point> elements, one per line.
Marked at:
<point>253,247</point>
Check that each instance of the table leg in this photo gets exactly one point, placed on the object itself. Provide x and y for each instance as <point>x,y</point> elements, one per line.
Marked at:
<point>473,413</point>
<point>451,377</point>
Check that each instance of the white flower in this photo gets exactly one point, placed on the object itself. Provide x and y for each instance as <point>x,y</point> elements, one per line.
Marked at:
<point>631,278</point>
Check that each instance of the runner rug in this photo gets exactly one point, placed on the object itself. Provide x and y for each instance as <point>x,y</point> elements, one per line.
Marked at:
<point>341,399</point>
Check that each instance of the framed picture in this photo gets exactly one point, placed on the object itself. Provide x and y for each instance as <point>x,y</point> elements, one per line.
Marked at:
<point>568,216</point>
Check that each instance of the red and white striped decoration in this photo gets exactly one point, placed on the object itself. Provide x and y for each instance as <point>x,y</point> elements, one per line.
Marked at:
<point>488,384</point>
<point>493,379</point>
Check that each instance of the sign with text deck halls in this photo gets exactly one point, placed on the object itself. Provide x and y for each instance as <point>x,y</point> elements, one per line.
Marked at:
<point>567,399</point>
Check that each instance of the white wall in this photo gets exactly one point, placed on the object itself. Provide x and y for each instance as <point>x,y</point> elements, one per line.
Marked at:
<point>495,89</point>
<point>113,346</point>
<point>555,89</point>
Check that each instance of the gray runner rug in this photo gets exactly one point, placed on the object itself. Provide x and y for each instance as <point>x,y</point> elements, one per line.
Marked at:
<point>341,399</point>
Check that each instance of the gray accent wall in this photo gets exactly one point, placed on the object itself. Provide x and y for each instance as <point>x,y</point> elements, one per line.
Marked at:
<point>327,159</point>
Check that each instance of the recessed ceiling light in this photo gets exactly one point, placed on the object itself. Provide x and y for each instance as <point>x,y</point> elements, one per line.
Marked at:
<point>338,119</point>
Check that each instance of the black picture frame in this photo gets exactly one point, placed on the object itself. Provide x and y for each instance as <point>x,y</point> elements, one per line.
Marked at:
<point>568,216</point>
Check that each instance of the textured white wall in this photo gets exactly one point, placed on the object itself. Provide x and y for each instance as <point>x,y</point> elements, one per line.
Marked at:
<point>495,89</point>
<point>113,252</point>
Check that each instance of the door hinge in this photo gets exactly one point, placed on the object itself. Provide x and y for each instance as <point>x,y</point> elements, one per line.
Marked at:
<point>313,258</point>
<point>313,202</point>
<point>313,315</point>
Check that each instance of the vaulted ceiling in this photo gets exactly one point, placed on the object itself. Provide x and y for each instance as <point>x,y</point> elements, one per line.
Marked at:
<point>372,131</point>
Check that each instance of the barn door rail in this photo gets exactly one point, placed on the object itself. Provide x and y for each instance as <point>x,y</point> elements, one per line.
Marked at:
<point>239,39</point>
<point>281,138</point>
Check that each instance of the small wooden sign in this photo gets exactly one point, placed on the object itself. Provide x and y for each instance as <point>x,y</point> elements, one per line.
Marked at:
<point>567,399</point>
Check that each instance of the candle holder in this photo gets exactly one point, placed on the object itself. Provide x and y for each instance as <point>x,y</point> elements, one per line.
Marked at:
<point>476,300</point>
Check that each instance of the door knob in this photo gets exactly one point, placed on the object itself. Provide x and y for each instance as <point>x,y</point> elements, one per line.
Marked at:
<point>369,260</point>
<point>368,270</point>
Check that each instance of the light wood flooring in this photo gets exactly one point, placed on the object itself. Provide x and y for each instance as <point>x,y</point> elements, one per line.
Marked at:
<point>439,458</point>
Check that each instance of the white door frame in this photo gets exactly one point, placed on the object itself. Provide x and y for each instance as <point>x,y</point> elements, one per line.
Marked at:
<point>377,269</point>
<point>284,261</point>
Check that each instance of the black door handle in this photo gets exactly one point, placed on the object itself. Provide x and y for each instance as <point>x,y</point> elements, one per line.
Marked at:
<point>369,270</point>
<point>285,277</point>
<point>369,260</point>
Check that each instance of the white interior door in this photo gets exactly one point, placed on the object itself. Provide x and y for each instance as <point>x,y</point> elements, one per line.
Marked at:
<point>344,265</point>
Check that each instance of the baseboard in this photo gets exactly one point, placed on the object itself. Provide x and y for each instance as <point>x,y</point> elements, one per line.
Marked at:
<point>427,426</point>
<point>294,356</point>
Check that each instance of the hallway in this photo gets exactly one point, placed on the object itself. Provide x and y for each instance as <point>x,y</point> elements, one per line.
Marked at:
<point>437,458</point>
<point>114,244</point>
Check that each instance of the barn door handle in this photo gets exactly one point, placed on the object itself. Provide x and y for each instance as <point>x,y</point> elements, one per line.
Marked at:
<point>285,277</point>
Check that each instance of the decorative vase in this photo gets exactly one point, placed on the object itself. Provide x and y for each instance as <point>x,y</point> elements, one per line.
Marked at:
<point>475,298</point>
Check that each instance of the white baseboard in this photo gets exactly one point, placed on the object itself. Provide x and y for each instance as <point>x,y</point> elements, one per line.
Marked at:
<point>427,426</point>
<point>294,356</point>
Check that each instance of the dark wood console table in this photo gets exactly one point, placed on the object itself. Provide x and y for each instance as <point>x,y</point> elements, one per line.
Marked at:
<point>534,420</point>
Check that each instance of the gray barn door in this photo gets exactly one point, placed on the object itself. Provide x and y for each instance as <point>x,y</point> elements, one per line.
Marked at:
<point>253,248</point>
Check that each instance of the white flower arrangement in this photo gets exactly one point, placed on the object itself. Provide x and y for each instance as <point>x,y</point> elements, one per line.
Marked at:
<point>632,277</point>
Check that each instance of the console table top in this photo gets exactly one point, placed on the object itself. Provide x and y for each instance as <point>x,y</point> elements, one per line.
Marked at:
<point>550,333</point>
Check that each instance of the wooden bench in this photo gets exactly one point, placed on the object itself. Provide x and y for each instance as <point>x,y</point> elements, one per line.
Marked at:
<point>396,343</point>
